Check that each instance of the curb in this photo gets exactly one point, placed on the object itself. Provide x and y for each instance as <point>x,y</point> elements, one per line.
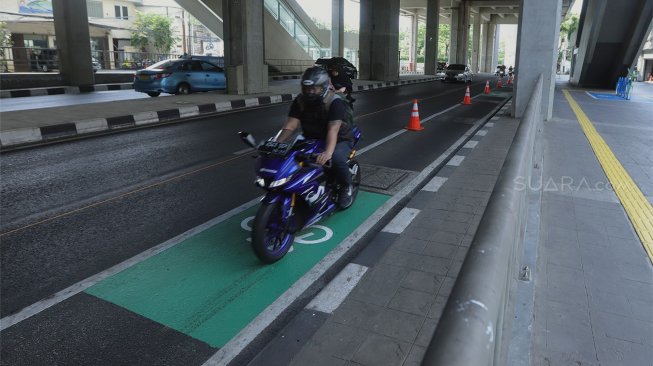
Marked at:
<point>37,135</point>
<point>35,92</point>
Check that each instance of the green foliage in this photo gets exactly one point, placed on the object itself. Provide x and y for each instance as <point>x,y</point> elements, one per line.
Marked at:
<point>444,40</point>
<point>568,26</point>
<point>153,30</point>
<point>5,36</point>
<point>502,53</point>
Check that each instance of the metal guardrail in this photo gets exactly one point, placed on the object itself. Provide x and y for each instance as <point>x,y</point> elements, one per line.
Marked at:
<point>477,316</point>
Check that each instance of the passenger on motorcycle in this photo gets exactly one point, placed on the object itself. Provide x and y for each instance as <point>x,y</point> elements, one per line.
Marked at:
<point>341,82</point>
<point>322,115</point>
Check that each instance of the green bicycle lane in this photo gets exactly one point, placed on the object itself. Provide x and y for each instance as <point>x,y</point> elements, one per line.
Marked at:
<point>211,285</point>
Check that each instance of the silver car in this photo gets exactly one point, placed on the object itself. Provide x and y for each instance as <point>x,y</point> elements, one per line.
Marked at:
<point>457,72</point>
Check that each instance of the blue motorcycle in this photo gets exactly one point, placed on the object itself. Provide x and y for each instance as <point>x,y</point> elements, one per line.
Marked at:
<point>300,192</point>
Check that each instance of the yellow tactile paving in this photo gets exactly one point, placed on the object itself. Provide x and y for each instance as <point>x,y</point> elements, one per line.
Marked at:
<point>639,210</point>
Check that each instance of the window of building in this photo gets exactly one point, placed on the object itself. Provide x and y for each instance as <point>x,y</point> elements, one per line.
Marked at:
<point>94,9</point>
<point>121,12</point>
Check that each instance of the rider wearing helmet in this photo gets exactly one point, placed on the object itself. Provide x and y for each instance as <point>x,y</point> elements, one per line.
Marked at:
<point>321,115</point>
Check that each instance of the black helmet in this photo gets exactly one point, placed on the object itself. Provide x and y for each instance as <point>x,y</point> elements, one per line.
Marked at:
<point>315,83</point>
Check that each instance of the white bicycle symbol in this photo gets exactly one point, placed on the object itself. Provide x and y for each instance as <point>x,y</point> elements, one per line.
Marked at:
<point>302,239</point>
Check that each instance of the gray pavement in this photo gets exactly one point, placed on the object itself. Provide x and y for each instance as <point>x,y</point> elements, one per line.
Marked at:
<point>593,280</point>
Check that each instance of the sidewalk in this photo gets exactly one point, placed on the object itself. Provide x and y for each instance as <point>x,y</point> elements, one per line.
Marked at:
<point>46,124</point>
<point>594,280</point>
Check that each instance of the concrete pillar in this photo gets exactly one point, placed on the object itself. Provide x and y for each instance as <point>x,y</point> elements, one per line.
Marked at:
<point>244,47</point>
<point>337,28</point>
<point>482,48</point>
<point>379,40</point>
<point>412,58</point>
<point>73,42</point>
<point>537,52</point>
<point>463,32</point>
<point>453,35</point>
<point>491,46</point>
<point>495,50</point>
<point>476,42</point>
<point>431,41</point>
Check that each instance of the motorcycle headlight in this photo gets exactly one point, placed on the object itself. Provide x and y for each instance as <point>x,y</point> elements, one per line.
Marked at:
<point>279,182</point>
<point>260,182</point>
<point>460,74</point>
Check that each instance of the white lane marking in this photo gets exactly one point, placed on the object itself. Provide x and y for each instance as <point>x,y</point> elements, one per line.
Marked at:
<point>456,160</point>
<point>328,300</point>
<point>435,184</point>
<point>238,343</point>
<point>244,151</point>
<point>481,133</point>
<point>401,221</point>
<point>494,118</point>
<point>471,144</point>
<point>82,285</point>
<point>489,124</point>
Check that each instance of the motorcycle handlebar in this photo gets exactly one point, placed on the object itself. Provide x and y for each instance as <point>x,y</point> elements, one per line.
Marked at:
<point>310,159</point>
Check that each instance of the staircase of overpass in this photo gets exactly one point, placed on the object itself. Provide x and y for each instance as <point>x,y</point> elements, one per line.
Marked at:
<point>610,36</point>
<point>292,40</point>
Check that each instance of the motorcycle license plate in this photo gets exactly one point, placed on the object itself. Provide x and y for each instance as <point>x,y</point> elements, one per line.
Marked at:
<point>273,147</point>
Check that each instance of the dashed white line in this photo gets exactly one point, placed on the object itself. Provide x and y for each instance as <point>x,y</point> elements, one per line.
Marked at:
<point>401,221</point>
<point>481,133</point>
<point>456,160</point>
<point>489,124</point>
<point>471,144</point>
<point>435,184</point>
<point>330,298</point>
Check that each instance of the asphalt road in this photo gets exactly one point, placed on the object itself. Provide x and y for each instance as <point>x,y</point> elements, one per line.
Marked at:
<point>74,209</point>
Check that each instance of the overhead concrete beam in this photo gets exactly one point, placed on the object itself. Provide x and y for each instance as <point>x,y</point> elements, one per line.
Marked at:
<point>208,12</point>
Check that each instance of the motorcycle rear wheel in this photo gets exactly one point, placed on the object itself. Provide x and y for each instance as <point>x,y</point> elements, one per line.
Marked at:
<point>271,238</point>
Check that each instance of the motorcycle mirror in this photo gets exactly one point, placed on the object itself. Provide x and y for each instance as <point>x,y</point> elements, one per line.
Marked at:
<point>247,138</point>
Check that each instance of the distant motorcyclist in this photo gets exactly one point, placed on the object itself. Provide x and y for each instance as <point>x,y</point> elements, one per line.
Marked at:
<point>322,114</point>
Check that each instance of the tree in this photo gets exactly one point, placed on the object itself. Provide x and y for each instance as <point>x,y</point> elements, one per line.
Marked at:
<point>5,36</point>
<point>153,30</point>
<point>568,26</point>
<point>444,39</point>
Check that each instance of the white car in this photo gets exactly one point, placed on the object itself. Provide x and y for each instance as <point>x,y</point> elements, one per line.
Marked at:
<point>458,72</point>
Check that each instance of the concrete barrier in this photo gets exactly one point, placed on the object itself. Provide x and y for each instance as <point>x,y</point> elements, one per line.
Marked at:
<point>475,323</point>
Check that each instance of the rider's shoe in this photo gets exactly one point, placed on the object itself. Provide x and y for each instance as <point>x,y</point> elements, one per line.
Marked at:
<point>345,196</point>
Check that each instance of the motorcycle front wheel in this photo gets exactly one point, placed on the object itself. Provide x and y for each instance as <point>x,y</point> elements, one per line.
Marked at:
<point>271,237</point>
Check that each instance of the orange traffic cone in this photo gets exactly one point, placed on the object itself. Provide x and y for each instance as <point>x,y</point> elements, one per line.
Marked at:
<point>499,84</point>
<point>468,98</point>
<point>414,123</point>
<point>487,87</point>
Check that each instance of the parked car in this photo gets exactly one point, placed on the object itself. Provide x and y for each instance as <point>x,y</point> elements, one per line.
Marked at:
<point>440,71</point>
<point>458,72</point>
<point>347,66</point>
<point>179,76</point>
